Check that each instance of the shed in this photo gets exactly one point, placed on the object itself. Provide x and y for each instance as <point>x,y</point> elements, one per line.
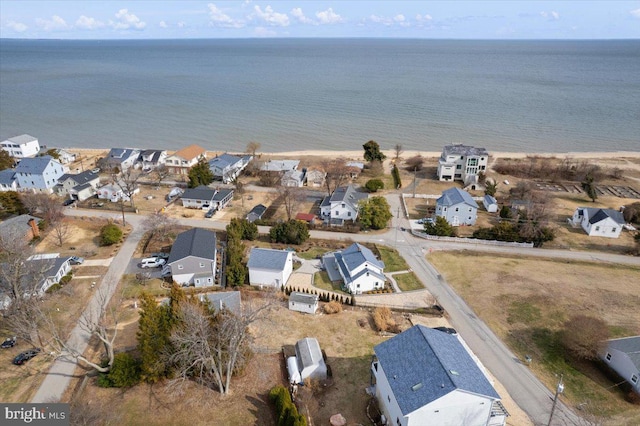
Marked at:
<point>490,204</point>
<point>303,302</point>
<point>269,267</point>
<point>310,361</point>
<point>256,213</point>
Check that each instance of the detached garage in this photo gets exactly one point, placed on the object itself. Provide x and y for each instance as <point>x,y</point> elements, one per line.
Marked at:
<point>270,267</point>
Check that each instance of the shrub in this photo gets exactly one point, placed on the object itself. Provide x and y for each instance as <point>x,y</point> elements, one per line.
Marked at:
<point>64,280</point>
<point>373,185</point>
<point>286,411</point>
<point>54,288</point>
<point>110,234</point>
<point>583,335</point>
<point>124,373</point>
<point>382,318</point>
<point>290,232</point>
<point>395,173</point>
<point>333,307</point>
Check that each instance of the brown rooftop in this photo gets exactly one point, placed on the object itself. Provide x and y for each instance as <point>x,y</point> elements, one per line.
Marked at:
<point>190,152</point>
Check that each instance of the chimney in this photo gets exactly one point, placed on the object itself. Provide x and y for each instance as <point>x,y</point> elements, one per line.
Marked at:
<point>34,228</point>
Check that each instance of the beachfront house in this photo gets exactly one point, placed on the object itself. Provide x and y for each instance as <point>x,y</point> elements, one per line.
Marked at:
<point>270,267</point>
<point>457,207</point>
<point>120,159</point>
<point>354,169</point>
<point>303,302</point>
<point>227,167</point>
<point>22,146</point>
<point>342,205</point>
<point>315,177</point>
<point>8,181</point>
<point>293,178</point>
<point>64,156</point>
<point>205,198</point>
<point>598,222</point>
<point>149,159</point>
<point>280,165</point>
<point>256,213</point>
<point>38,174</point>
<point>462,162</point>
<point>192,260</point>
<point>424,376</point>
<point>80,186</point>
<point>623,357</point>
<point>356,267</point>
<point>114,193</point>
<point>182,160</point>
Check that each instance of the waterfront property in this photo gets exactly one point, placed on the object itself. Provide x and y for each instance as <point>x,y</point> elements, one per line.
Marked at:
<point>8,181</point>
<point>39,174</point>
<point>357,267</point>
<point>22,146</point>
<point>192,260</point>
<point>182,160</point>
<point>203,197</point>
<point>79,186</point>
<point>149,159</point>
<point>457,207</point>
<point>270,267</point>
<point>623,357</point>
<point>120,159</point>
<point>293,178</point>
<point>315,178</point>
<point>424,376</point>
<point>342,204</point>
<point>280,165</point>
<point>599,222</point>
<point>227,167</point>
<point>462,162</point>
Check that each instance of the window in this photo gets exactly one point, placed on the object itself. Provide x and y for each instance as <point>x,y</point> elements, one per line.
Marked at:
<point>613,229</point>
<point>388,398</point>
<point>457,209</point>
<point>459,166</point>
<point>202,264</point>
<point>349,214</point>
<point>597,228</point>
<point>180,267</point>
<point>634,379</point>
<point>608,357</point>
<point>343,205</point>
<point>398,421</point>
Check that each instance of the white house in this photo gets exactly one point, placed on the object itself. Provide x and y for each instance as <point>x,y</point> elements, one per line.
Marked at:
<point>357,268</point>
<point>461,162</point>
<point>426,377</point>
<point>114,193</point>
<point>8,181</point>
<point>623,357</point>
<point>280,165</point>
<point>457,207</point>
<point>121,158</point>
<point>192,260</point>
<point>303,302</point>
<point>78,186</point>
<point>21,146</point>
<point>490,204</point>
<point>227,167</point>
<point>149,159</point>
<point>182,160</point>
<point>315,177</point>
<point>342,204</point>
<point>203,197</point>
<point>599,222</point>
<point>269,267</point>
<point>39,174</point>
<point>292,178</point>
<point>310,361</point>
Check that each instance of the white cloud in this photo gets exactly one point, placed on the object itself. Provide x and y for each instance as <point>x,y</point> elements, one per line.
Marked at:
<point>329,17</point>
<point>388,22</point>
<point>551,16</point>
<point>88,23</point>
<point>127,21</point>
<point>182,24</point>
<point>269,16</point>
<point>53,24</point>
<point>163,24</point>
<point>264,32</point>
<point>635,13</point>
<point>17,26</point>
<point>424,18</point>
<point>299,16</point>
<point>220,19</point>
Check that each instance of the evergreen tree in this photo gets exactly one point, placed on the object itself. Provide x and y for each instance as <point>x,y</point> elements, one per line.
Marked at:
<point>200,174</point>
<point>374,213</point>
<point>154,330</point>
<point>440,227</point>
<point>589,187</point>
<point>6,162</point>
<point>372,152</point>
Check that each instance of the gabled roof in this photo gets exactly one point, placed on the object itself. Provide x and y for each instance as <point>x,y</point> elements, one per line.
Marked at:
<point>307,217</point>
<point>262,258</point>
<point>118,155</point>
<point>464,150</point>
<point>199,193</point>
<point>628,345</point>
<point>80,178</point>
<point>224,160</point>
<point>223,299</point>
<point>7,176</point>
<point>295,175</point>
<point>190,152</point>
<point>490,199</point>
<point>36,165</point>
<point>596,215</point>
<point>196,242</point>
<point>357,254</point>
<point>308,353</point>
<point>453,196</point>
<point>256,212</point>
<point>349,195</point>
<point>22,139</point>
<point>280,165</point>
<point>423,365</point>
<point>221,194</point>
<point>17,224</point>
<point>154,153</point>
<point>296,296</point>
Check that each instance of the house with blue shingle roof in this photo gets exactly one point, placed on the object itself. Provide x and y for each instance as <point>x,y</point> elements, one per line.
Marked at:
<point>269,266</point>
<point>457,207</point>
<point>357,267</point>
<point>426,377</point>
<point>39,174</point>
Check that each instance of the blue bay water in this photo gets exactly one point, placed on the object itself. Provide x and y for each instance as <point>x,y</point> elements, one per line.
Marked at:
<point>294,94</point>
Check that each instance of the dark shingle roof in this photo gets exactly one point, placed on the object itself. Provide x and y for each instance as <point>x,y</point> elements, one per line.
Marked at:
<point>199,193</point>
<point>423,365</point>
<point>196,242</point>
<point>296,296</point>
<point>597,215</point>
<point>7,176</point>
<point>80,178</point>
<point>223,299</point>
<point>222,194</point>
<point>267,259</point>
<point>349,195</point>
<point>453,196</point>
<point>356,254</point>
<point>630,346</point>
<point>35,165</point>
<point>224,160</point>
<point>465,150</point>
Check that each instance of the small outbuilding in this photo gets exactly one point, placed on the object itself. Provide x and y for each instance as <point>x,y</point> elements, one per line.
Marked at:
<point>490,204</point>
<point>303,302</point>
<point>309,358</point>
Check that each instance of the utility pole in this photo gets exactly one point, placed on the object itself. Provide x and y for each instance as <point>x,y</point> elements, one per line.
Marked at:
<point>414,182</point>
<point>559,390</point>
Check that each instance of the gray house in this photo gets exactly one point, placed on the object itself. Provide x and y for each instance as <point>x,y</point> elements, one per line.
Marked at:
<point>227,167</point>
<point>78,186</point>
<point>192,260</point>
<point>229,300</point>
<point>256,213</point>
<point>122,158</point>
<point>203,197</point>
<point>457,207</point>
<point>623,357</point>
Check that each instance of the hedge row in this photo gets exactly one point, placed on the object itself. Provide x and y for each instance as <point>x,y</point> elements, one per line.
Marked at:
<point>285,409</point>
<point>395,173</point>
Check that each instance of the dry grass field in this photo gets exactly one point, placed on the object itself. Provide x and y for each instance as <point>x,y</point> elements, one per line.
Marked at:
<point>526,301</point>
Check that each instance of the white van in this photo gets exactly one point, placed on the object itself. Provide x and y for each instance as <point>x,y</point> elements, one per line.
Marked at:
<point>152,262</point>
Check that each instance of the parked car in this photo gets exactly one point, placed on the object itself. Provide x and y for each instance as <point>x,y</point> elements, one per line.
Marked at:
<point>447,330</point>
<point>68,202</point>
<point>96,170</point>
<point>161,255</point>
<point>9,342</point>
<point>26,356</point>
<point>152,262</point>
<point>76,260</point>
<point>209,214</point>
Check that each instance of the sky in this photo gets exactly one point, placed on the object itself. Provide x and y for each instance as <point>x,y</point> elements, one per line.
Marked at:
<point>144,19</point>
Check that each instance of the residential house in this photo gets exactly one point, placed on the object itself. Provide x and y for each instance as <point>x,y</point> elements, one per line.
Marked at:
<point>79,186</point>
<point>227,167</point>
<point>280,165</point>
<point>462,162</point>
<point>181,161</point>
<point>357,267</point>
<point>457,207</point>
<point>307,217</point>
<point>229,300</point>
<point>65,157</point>
<point>48,270</point>
<point>39,174</point>
<point>23,226</point>
<point>310,363</point>
<point>426,377</point>
<point>256,213</point>
<point>342,204</point>
<point>599,222</point>
<point>303,302</point>
<point>623,357</point>
<point>269,267</point>
<point>292,178</point>
<point>121,159</point>
<point>22,146</point>
<point>8,181</point>
<point>149,159</point>
<point>490,204</point>
<point>354,168</point>
<point>315,178</point>
<point>192,260</point>
<point>114,193</point>
<point>203,197</point>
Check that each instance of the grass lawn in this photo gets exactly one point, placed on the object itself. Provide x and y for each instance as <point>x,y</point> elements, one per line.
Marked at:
<point>408,282</point>
<point>393,262</point>
<point>321,280</point>
<point>526,302</point>
<point>312,253</point>
<point>132,289</point>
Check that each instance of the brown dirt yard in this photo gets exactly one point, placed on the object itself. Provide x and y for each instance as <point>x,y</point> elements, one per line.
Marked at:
<point>526,301</point>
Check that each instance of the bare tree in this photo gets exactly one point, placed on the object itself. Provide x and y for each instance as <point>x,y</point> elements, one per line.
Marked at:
<point>397,151</point>
<point>337,173</point>
<point>252,147</point>
<point>48,206</point>
<point>19,277</point>
<point>159,226</point>
<point>290,197</point>
<point>415,163</point>
<point>211,346</point>
<point>269,178</point>
<point>61,231</point>
<point>160,173</point>
<point>127,181</point>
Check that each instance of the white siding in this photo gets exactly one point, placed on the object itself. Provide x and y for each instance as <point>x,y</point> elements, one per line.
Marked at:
<point>605,228</point>
<point>622,364</point>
